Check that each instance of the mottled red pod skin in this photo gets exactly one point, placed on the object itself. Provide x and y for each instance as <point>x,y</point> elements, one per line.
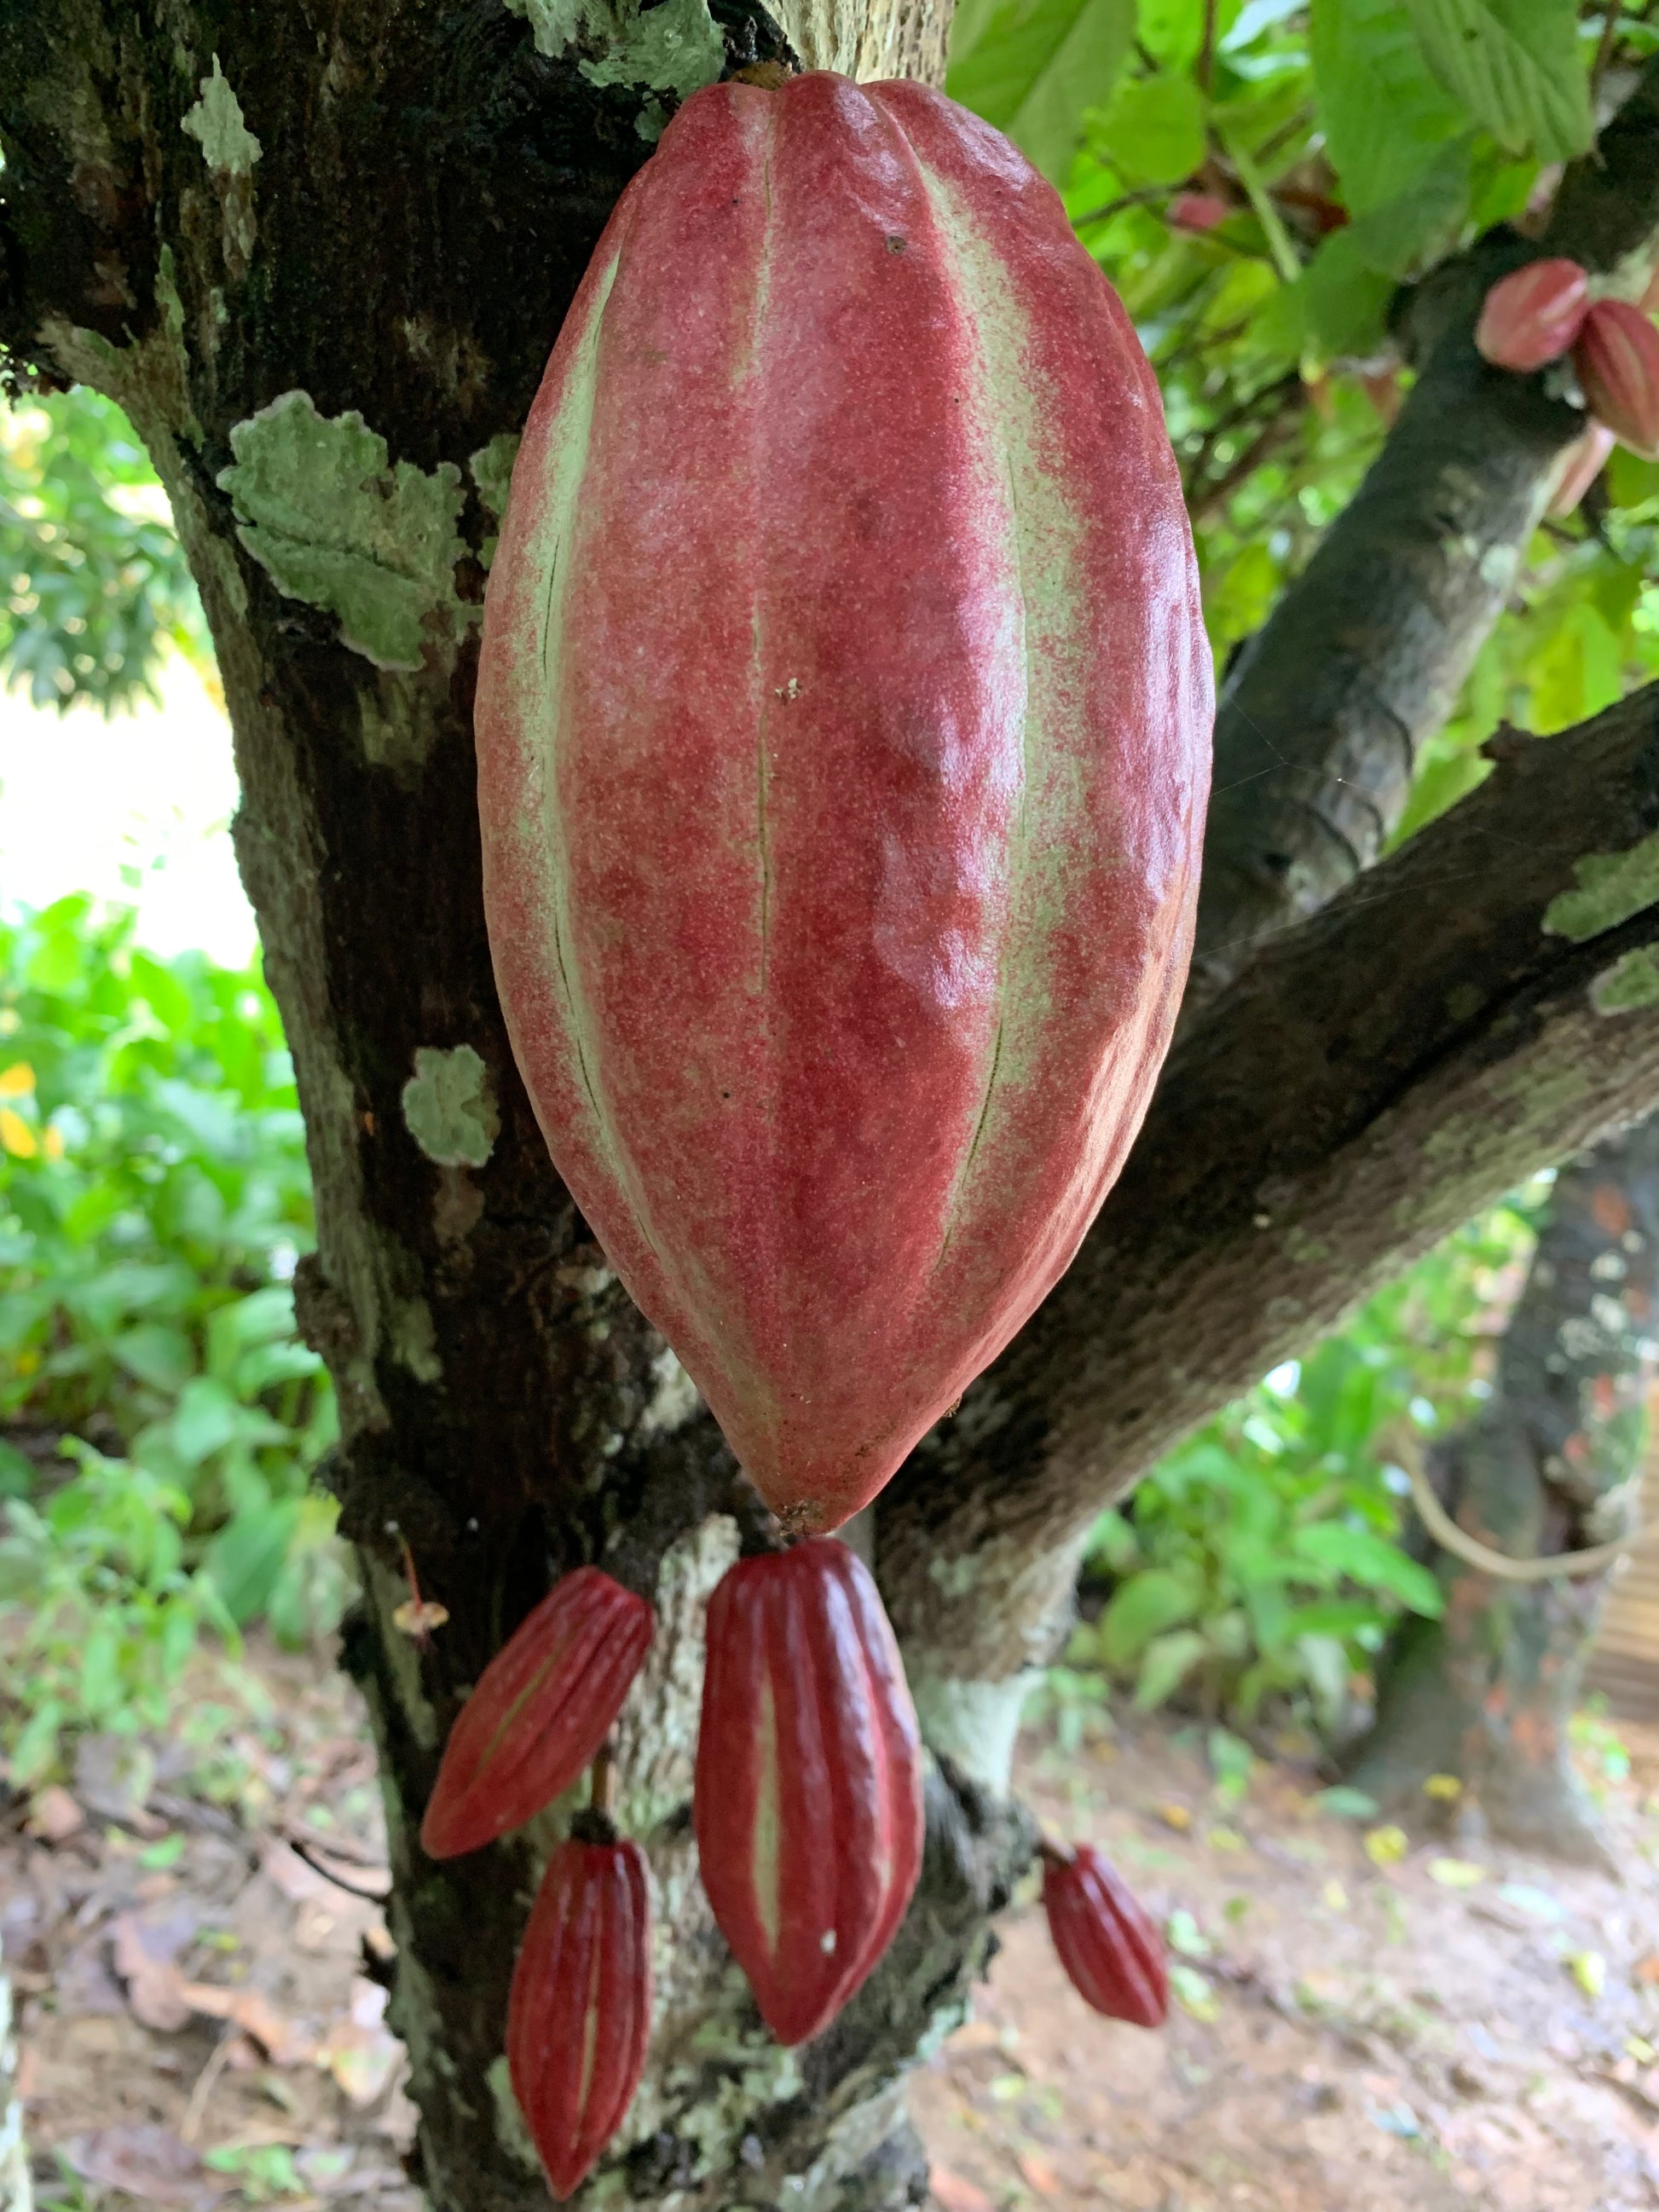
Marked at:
<point>1107,1943</point>
<point>540,1711</point>
<point>808,1799</point>
<point>1617,358</point>
<point>579,2016</point>
<point>1534,314</point>
<point>844,734</point>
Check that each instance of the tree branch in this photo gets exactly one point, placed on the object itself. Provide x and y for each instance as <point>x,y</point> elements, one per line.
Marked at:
<point>1372,1079</point>
<point>1319,725</point>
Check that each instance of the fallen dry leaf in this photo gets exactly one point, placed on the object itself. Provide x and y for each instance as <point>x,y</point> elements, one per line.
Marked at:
<point>150,2163</point>
<point>284,2043</point>
<point>955,2193</point>
<point>54,1815</point>
<point>145,1952</point>
<point>361,2051</point>
<point>1038,2172</point>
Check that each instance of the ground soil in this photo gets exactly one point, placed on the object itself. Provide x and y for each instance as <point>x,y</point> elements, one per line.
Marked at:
<point>1367,2020</point>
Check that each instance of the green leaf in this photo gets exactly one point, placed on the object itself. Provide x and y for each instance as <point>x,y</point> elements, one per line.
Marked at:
<point>1165,1666</point>
<point>1420,223</point>
<point>1148,1602</point>
<point>157,1355</point>
<point>1032,67</point>
<point>1153,130</point>
<point>1517,65</point>
<point>1386,116</point>
<point>1341,303</point>
<point>206,1421</point>
<point>248,1555</point>
<point>1372,1561</point>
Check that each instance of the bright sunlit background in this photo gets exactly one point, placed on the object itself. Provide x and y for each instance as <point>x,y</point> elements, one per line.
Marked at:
<point>135,808</point>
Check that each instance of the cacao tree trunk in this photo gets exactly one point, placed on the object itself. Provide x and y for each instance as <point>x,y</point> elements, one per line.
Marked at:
<point>1485,1693</point>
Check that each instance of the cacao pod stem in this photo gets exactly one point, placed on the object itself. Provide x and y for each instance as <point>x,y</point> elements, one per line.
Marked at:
<point>1617,358</point>
<point>808,1801</point>
<point>579,2014</point>
<point>540,1711</point>
<point>1107,1942</point>
<point>1533,315</point>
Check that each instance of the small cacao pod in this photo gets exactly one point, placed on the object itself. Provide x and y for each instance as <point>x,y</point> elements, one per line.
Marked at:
<point>1534,314</point>
<point>1617,358</point>
<point>579,2014</point>
<point>1107,1943</point>
<point>808,1796</point>
<point>540,1712</point>
<point>1582,463</point>
<point>844,734</point>
<point>1199,211</point>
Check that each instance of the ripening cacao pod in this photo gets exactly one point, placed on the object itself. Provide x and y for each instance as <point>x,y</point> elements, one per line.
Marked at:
<point>1534,314</point>
<point>1107,1943</point>
<point>808,1797</point>
<point>1580,465</point>
<point>1617,358</point>
<point>578,2014</point>
<point>540,1712</point>
<point>843,730</point>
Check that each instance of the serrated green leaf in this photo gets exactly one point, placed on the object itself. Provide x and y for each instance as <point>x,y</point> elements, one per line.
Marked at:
<point>1033,67</point>
<point>1386,116</point>
<point>1518,67</point>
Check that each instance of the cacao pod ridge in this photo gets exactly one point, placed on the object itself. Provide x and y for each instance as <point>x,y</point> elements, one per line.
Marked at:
<point>579,2014</point>
<point>539,1713</point>
<point>843,724</point>
<point>808,1803</point>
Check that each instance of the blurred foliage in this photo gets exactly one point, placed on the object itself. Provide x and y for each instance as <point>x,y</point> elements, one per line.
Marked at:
<point>154,1200</point>
<point>1258,1567</point>
<point>1258,179</point>
<point>93,582</point>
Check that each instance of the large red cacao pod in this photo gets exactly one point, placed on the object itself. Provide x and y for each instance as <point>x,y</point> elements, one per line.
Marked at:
<point>1534,314</point>
<point>843,733</point>
<point>539,1713</point>
<point>579,2014</point>
<point>1617,358</point>
<point>808,1797</point>
<point>1107,1943</point>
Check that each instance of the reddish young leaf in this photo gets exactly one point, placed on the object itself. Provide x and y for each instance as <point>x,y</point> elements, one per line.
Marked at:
<point>1534,314</point>
<point>540,1712</point>
<point>579,2016</point>
<point>1617,358</point>
<point>808,1804</point>
<point>1106,1943</point>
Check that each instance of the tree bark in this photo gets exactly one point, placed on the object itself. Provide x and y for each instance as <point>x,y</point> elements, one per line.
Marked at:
<point>1486,1693</point>
<point>319,257</point>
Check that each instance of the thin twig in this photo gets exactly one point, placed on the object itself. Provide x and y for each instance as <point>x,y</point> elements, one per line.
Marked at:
<point>1140,198</point>
<point>196,2111</point>
<point>1204,66</point>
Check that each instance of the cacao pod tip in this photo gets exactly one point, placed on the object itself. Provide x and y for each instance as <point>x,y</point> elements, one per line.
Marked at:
<point>1617,359</point>
<point>1533,315</point>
